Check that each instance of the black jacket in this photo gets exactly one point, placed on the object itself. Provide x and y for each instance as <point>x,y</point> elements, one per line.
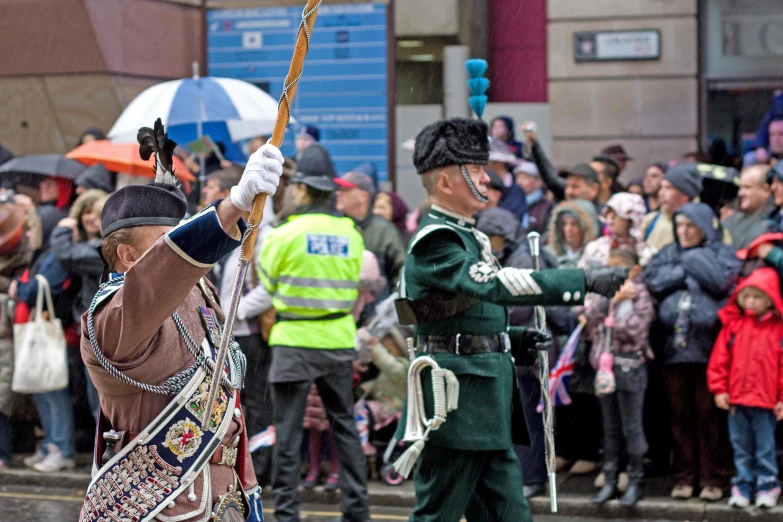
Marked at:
<point>81,260</point>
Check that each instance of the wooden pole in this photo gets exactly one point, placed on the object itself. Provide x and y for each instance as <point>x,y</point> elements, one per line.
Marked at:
<point>283,116</point>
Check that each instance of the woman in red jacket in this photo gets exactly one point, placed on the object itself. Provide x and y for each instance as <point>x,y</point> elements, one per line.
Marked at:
<point>746,375</point>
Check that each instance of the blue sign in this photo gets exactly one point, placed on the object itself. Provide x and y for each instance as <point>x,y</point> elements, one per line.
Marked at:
<point>343,90</point>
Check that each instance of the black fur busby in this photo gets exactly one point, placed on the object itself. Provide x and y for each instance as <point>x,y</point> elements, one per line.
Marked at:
<point>458,141</point>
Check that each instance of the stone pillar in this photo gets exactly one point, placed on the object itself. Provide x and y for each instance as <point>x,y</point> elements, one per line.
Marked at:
<point>455,81</point>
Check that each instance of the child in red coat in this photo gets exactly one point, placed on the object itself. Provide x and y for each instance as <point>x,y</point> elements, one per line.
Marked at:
<point>746,375</point>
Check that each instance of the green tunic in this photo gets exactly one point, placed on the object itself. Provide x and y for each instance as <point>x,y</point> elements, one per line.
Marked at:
<point>468,465</point>
<point>447,254</point>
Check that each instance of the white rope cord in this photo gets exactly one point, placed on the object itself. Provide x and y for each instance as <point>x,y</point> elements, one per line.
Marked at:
<point>445,392</point>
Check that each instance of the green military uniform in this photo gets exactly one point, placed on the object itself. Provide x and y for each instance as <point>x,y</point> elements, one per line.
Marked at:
<point>468,466</point>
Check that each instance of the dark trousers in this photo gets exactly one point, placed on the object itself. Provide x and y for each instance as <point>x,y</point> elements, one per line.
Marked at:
<point>485,486</point>
<point>701,446</point>
<point>578,428</point>
<point>5,438</point>
<point>656,420</point>
<point>289,400</point>
<point>532,458</point>
<point>257,401</point>
<point>622,418</point>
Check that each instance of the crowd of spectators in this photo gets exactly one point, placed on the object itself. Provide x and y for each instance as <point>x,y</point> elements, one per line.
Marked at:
<point>660,372</point>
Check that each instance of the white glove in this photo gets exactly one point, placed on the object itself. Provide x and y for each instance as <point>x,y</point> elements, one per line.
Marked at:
<point>262,175</point>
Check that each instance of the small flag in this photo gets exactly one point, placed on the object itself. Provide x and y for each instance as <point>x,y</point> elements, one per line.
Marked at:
<point>264,439</point>
<point>560,375</point>
<point>362,422</point>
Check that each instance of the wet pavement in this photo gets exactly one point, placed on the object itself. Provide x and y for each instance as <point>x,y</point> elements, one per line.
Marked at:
<point>34,504</point>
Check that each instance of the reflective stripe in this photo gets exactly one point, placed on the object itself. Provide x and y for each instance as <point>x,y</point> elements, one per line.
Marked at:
<point>272,281</point>
<point>314,282</point>
<point>320,304</point>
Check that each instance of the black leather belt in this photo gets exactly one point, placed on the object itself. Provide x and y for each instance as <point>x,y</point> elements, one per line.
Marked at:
<point>464,344</point>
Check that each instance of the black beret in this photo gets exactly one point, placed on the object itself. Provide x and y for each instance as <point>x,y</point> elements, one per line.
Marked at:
<point>458,141</point>
<point>144,205</point>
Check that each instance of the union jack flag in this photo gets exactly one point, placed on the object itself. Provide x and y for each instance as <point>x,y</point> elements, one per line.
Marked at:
<point>263,439</point>
<point>362,422</point>
<point>560,375</point>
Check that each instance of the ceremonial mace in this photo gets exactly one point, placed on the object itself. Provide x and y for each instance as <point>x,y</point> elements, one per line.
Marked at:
<point>543,377</point>
<point>257,212</point>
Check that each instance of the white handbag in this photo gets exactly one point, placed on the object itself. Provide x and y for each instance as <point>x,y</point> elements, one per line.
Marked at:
<point>40,350</point>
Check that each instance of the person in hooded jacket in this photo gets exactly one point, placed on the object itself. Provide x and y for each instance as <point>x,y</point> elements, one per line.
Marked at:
<point>746,375</point>
<point>691,280</point>
<point>623,214</point>
<point>502,128</point>
<point>572,226</point>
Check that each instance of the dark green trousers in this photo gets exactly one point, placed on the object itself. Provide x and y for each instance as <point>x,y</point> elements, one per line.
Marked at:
<point>485,486</point>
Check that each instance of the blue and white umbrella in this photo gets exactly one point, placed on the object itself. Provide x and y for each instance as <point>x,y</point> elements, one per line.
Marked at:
<point>224,109</point>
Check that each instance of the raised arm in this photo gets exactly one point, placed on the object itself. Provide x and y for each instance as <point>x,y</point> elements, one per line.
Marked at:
<point>549,174</point>
<point>161,279</point>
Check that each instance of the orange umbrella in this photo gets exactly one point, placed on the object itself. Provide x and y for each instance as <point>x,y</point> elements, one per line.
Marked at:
<point>123,157</point>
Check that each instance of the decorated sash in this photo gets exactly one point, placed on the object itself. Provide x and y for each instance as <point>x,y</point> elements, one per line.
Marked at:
<point>162,461</point>
<point>153,469</point>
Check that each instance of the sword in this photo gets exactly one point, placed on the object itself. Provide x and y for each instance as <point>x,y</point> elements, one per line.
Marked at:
<point>257,213</point>
<point>543,377</point>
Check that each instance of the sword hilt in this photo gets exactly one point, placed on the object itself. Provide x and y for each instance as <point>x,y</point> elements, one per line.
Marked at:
<point>111,438</point>
<point>533,239</point>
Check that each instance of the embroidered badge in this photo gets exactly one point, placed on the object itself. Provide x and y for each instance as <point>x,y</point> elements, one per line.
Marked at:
<point>198,403</point>
<point>482,272</point>
<point>183,439</point>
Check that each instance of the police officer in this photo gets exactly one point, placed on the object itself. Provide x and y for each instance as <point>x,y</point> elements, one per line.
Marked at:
<point>310,266</point>
<point>456,294</point>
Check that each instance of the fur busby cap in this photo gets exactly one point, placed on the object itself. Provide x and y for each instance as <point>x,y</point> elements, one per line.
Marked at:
<point>457,141</point>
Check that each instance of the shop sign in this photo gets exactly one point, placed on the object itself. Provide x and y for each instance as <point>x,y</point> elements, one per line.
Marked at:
<point>601,46</point>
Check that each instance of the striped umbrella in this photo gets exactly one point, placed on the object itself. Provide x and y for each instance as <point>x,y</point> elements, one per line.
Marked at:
<point>224,109</point>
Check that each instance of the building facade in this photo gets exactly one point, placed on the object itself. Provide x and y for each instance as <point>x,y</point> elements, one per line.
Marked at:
<point>703,70</point>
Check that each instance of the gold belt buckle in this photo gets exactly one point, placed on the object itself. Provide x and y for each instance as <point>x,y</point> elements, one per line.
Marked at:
<point>229,457</point>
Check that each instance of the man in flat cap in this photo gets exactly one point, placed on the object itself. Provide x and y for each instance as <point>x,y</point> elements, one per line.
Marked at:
<point>456,295</point>
<point>149,341</point>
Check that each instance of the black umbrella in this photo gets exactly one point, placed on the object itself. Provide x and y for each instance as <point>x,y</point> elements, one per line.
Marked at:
<point>27,170</point>
<point>721,184</point>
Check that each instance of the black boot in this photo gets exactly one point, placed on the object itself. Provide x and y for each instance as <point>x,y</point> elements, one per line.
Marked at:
<point>609,490</point>
<point>635,491</point>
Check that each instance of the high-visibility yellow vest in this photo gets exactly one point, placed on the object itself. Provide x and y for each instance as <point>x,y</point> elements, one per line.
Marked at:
<point>310,266</point>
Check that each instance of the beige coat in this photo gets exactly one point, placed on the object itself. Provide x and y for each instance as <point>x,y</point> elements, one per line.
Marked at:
<point>137,334</point>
